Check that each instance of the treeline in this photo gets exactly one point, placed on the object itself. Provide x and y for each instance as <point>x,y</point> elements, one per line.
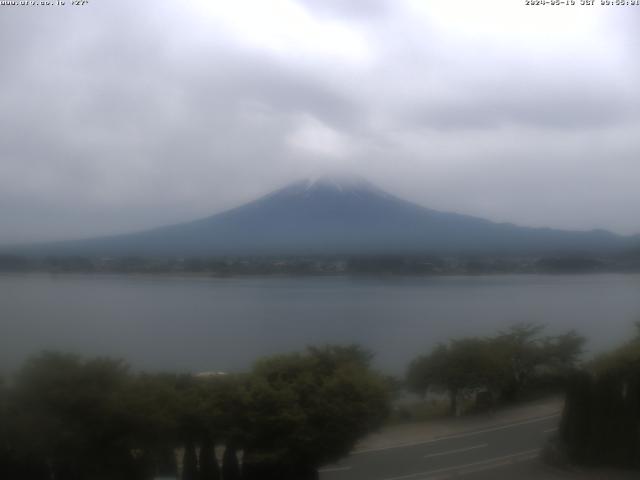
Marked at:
<point>496,369</point>
<point>63,417</point>
<point>318,265</point>
<point>601,422</point>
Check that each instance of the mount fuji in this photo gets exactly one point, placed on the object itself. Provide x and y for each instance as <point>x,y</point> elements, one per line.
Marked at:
<point>342,216</point>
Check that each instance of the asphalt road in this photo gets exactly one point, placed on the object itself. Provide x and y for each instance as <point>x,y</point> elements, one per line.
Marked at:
<point>499,452</point>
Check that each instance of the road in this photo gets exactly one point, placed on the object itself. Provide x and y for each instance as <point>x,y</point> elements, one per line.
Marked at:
<point>502,451</point>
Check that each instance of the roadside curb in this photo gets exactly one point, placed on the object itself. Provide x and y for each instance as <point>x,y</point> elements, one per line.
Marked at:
<point>462,433</point>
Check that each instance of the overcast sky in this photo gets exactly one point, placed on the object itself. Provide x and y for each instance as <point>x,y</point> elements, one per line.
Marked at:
<point>123,115</point>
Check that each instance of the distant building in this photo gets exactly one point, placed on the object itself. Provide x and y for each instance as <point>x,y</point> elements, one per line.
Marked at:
<point>210,374</point>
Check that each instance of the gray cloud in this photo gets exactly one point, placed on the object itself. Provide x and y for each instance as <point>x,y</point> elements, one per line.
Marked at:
<point>571,107</point>
<point>352,8</point>
<point>121,116</point>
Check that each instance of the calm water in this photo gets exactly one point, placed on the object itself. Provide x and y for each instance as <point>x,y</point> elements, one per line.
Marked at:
<point>225,324</point>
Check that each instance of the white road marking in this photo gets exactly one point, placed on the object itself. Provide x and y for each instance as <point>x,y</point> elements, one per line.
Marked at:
<point>458,450</point>
<point>479,467</point>
<point>334,469</point>
<point>458,435</point>
<point>475,466</point>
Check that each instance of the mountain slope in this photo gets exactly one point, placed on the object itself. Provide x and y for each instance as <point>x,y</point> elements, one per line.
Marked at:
<point>345,216</point>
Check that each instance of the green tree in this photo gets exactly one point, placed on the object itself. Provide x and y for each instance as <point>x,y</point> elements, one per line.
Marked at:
<point>460,368</point>
<point>230,466</point>
<point>420,375</point>
<point>152,407</point>
<point>305,410</point>
<point>209,468</point>
<point>189,462</point>
<point>223,406</point>
<point>624,360</point>
<point>68,416</point>
<point>74,419</point>
<point>5,442</point>
<point>521,352</point>
<point>564,351</point>
<point>503,365</point>
<point>525,354</point>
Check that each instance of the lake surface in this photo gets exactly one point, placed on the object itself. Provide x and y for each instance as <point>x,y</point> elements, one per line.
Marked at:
<point>196,324</point>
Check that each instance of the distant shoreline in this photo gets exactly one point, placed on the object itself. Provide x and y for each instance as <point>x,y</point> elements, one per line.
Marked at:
<point>336,265</point>
<point>382,275</point>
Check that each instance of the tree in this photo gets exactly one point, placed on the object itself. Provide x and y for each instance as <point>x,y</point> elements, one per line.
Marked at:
<point>305,410</point>
<point>575,422</point>
<point>460,367</point>
<point>75,419</point>
<point>601,420</point>
<point>420,375</point>
<point>503,365</point>
<point>223,407</point>
<point>625,360</point>
<point>520,348</point>
<point>5,443</point>
<point>563,351</point>
<point>230,466</point>
<point>68,416</point>
<point>209,468</point>
<point>189,462</point>
<point>152,407</point>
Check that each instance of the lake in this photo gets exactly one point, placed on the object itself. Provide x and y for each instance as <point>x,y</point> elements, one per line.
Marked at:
<point>202,324</point>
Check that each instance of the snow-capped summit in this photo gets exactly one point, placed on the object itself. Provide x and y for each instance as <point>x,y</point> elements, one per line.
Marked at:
<point>341,182</point>
<point>338,184</point>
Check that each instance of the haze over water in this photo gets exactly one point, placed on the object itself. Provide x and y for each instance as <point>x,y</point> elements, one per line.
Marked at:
<point>201,324</point>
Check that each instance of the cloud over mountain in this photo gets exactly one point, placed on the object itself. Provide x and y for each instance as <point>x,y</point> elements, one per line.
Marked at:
<point>333,215</point>
<point>120,116</point>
